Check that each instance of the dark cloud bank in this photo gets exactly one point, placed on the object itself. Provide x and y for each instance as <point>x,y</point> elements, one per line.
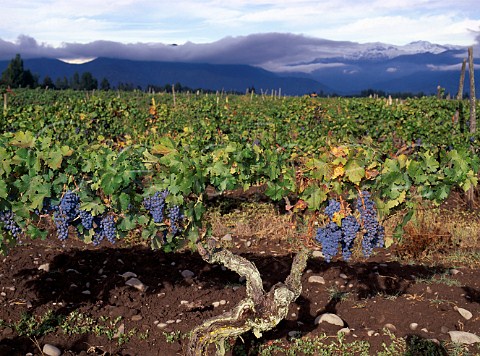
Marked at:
<point>252,50</point>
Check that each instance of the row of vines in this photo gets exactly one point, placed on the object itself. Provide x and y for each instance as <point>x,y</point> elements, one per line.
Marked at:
<point>127,154</point>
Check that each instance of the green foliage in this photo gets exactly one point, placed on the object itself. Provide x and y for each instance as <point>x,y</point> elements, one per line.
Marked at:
<point>114,150</point>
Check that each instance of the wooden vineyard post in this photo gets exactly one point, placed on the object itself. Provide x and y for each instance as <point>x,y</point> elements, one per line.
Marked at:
<point>462,80</point>
<point>473,118</point>
<point>173,93</point>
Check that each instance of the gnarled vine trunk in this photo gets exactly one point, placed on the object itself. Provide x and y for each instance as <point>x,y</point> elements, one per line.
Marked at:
<point>260,311</point>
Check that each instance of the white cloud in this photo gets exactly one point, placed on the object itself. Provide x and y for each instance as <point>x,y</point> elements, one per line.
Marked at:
<point>391,70</point>
<point>393,21</point>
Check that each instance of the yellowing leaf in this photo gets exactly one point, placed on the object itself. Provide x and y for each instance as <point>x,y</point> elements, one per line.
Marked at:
<point>339,151</point>
<point>339,171</point>
<point>23,139</point>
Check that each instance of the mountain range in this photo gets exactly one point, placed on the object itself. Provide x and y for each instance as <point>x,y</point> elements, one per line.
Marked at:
<point>293,63</point>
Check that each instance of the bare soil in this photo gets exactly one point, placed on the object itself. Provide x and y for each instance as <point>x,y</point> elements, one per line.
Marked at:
<point>366,294</point>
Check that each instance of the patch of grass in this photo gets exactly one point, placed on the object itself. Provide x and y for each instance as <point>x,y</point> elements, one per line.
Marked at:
<point>322,345</point>
<point>337,295</point>
<point>247,220</point>
<point>173,336</point>
<point>441,237</point>
<point>441,278</point>
<point>34,326</point>
<point>75,323</point>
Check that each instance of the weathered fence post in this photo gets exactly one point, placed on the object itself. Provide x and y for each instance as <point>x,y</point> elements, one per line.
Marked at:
<point>462,80</point>
<point>473,118</point>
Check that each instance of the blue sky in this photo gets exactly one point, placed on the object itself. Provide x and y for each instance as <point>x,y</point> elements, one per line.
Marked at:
<point>56,22</point>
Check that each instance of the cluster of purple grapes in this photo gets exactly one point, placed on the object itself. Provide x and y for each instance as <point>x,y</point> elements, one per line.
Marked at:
<point>331,236</point>
<point>9,224</point>
<point>374,232</point>
<point>155,205</point>
<point>106,229</point>
<point>332,208</point>
<point>68,212</point>
<point>65,213</point>
<point>176,218</point>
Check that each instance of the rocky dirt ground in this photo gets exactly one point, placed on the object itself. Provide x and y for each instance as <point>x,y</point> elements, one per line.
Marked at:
<point>109,313</point>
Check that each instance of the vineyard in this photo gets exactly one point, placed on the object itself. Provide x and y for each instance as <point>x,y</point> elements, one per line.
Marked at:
<point>151,178</point>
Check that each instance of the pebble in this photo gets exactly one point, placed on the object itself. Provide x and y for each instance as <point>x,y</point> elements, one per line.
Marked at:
<point>343,276</point>
<point>454,271</point>
<point>86,292</point>
<point>161,325</point>
<point>413,326</point>
<point>316,279</point>
<point>129,275</point>
<point>464,312</point>
<point>227,238</point>
<point>294,334</point>
<point>45,267</point>
<point>444,330</point>
<point>345,331</point>
<point>136,283</point>
<point>329,318</point>
<point>137,318</point>
<point>425,330</point>
<point>73,270</point>
<point>370,332</point>
<point>463,337</point>
<point>120,331</point>
<point>390,327</point>
<point>187,274</point>
<point>51,350</point>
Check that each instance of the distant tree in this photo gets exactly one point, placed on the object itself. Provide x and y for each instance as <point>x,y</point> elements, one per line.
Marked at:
<point>104,84</point>
<point>15,76</point>
<point>88,82</point>
<point>127,87</point>
<point>61,83</point>
<point>75,81</point>
<point>48,82</point>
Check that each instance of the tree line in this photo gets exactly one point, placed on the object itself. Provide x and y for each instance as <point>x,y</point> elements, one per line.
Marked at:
<point>16,76</point>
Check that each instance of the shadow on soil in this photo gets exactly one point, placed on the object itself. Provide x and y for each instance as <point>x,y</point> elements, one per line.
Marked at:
<point>72,273</point>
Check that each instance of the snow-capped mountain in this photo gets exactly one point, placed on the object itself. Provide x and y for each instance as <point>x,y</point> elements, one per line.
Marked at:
<point>378,50</point>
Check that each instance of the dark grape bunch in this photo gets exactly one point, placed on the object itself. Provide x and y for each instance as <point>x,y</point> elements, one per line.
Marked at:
<point>350,227</point>
<point>176,218</point>
<point>65,213</point>
<point>155,204</point>
<point>106,229</point>
<point>86,218</point>
<point>374,233</point>
<point>68,212</point>
<point>329,236</point>
<point>332,208</point>
<point>9,224</point>
<point>333,235</point>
